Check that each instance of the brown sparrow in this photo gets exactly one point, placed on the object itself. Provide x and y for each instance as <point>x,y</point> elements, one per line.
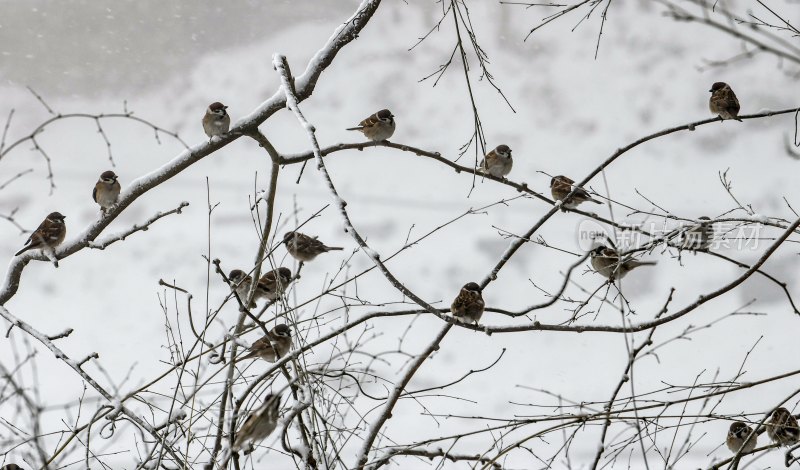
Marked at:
<point>782,428</point>
<point>11,466</point>
<point>497,162</point>
<point>305,248</point>
<point>241,283</point>
<point>700,236</point>
<point>606,261</point>
<point>561,186</point>
<point>379,126</point>
<point>468,305</point>
<point>723,101</point>
<point>273,345</point>
<point>737,435</point>
<point>106,191</point>
<point>260,423</point>
<point>216,120</point>
<point>273,283</point>
<point>48,235</point>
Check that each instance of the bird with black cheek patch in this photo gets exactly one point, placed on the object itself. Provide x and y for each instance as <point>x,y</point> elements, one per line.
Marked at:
<point>377,127</point>
<point>782,428</point>
<point>606,261</point>
<point>106,191</point>
<point>723,101</point>
<point>272,346</point>
<point>216,120</point>
<point>737,435</point>
<point>468,304</point>
<point>304,248</point>
<point>561,186</point>
<point>260,423</point>
<point>497,162</point>
<point>48,235</point>
<point>273,283</point>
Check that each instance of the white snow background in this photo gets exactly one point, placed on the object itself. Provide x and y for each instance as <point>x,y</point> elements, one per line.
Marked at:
<point>572,113</point>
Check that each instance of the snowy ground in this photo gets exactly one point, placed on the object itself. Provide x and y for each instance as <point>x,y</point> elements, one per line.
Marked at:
<point>572,112</point>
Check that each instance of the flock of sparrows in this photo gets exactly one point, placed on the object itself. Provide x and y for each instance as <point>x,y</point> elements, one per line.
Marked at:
<point>467,306</point>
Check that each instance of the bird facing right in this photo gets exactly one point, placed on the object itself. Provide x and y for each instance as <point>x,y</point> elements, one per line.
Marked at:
<point>606,261</point>
<point>377,127</point>
<point>561,186</point>
<point>260,423</point>
<point>106,191</point>
<point>48,235</point>
<point>782,428</point>
<point>273,283</point>
<point>497,162</point>
<point>468,304</point>
<point>272,346</point>
<point>723,101</point>
<point>216,121</point>
<point>304,248</point>
<point>737,434</point>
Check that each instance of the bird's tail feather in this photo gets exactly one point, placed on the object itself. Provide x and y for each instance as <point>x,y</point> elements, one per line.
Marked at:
<point>24,249</point>
<point>334,248</point>
<point>354,128</point>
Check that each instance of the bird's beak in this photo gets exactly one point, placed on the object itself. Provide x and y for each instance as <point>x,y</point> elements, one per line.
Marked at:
<point>224,107</point>
<point>711,91</point>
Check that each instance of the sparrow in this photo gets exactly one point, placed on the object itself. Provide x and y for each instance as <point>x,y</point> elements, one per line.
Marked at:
<point>216,121</point>
<point>273,345</point>
<point>260,423</point>
<point>497,162</point>
<point>48,235</point>
<point>606,261</point>
<point>737,435</point>
<point>700,236</point>
<point>305,248</point>
<point>379,126</point>
<point>106,191</point>
<point>723,101</point>
<point>468,305</point>
<point>11,466</point>
<point>241,283</point>
<point>782,428</point>
<point>561,186</point>
<point>273,283</point>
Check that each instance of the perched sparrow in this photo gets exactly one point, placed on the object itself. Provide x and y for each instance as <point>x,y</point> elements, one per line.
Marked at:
<point>216,121</point>
<point>737,435</point>
<point>497,162</point>
<point>606,261</point>
<point>379,126</point>
<point>723,101</point>
<point>561,186</point>
<point>106,191</point>
<point>241,282</point>
<point>700,236</point>
<point>272,346</point>
<point>260,423</point>
<point>48,235</point>
<point>468,305</point>
<point>782,428</point>
<point>273,283</point>
<point>304,248</point>
<point>11,466</point>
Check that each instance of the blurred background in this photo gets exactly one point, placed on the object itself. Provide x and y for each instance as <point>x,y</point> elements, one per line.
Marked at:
<point>166,61</point>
